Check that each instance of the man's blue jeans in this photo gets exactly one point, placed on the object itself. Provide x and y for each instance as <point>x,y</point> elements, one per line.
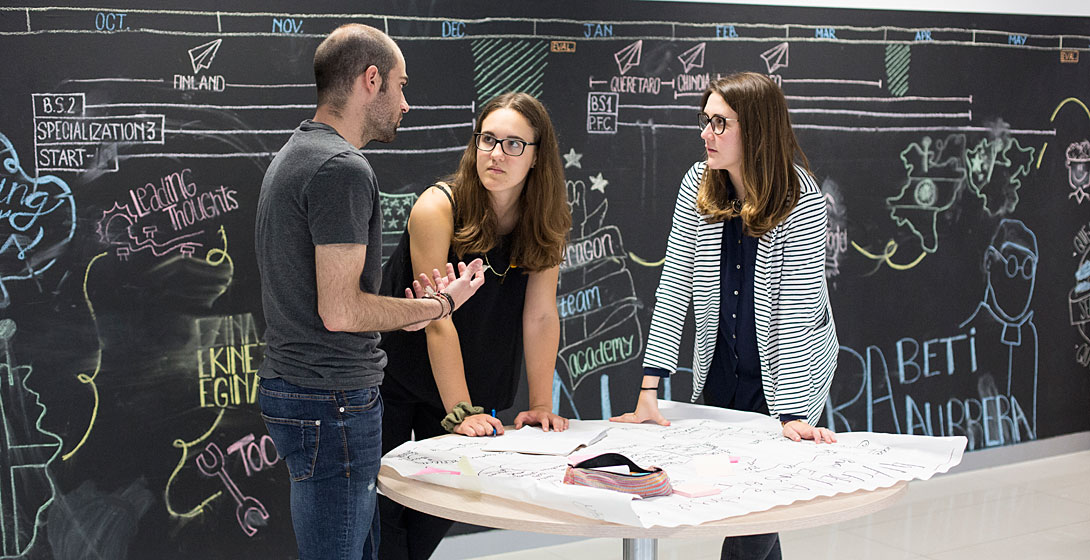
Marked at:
<point>331,442</point>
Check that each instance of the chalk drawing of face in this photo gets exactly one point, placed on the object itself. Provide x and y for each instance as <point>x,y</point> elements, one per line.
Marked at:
<point>1010,265</point>
<point>1078,170</point>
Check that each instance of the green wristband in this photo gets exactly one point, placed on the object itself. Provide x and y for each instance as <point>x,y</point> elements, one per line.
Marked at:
<point>460,412</point>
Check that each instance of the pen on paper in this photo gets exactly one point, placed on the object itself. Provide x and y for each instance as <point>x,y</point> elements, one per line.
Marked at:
<point>493,427</point>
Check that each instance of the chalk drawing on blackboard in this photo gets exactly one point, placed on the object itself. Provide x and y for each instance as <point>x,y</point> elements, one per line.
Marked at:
<point>39,220</point>
<point>117,227</point>
<point>90,523</point>
<point>598,183</point>
<point>936,174</point>
<point>602,112</point>
<point>183,461</point>
<point>596,300</point>
<point>873,394</point>
<point>836,233</point>
<point>85,378</point>
<point>1078,170</point>
<point>249,512</point>
<point>995,166</point>
<point>229,353</point>
<point>395,216</point>
<point>629,57</point>
<point>67,139</point>
<point>886,257</point>
<point>501,65</point>
<point>777,57</point>
<point>571,159</point>
<point>693,58</point>
<point>201,56</point>
<point>1078,300</point>
<point>1006,335</point>
<point>155,216</point>
<point>26,451</point>
<point>898,61</point>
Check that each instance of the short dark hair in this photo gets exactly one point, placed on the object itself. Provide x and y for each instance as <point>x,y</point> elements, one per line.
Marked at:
<point>345,54</point>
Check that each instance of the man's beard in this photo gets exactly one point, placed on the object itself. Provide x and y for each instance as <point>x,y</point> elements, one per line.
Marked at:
<point>384,130</point>
<point>387,131</point>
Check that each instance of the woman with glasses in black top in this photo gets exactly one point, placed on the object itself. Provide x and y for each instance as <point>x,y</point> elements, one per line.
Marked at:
<point>507,204</point>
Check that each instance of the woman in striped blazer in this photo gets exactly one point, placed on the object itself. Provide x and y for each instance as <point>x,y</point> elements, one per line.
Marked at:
<point>747,250</point>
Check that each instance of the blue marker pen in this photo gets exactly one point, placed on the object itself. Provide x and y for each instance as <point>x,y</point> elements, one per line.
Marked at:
<point>493,427</point>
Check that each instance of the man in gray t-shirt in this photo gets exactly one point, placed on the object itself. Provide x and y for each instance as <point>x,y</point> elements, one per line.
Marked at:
<point>318,240</point>
<point>319,190</point>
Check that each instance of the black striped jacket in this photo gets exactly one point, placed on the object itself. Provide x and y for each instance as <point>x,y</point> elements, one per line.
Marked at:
<point>796,335</point>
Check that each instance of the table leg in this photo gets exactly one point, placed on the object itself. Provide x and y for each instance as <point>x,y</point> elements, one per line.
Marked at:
<point>641,549</point>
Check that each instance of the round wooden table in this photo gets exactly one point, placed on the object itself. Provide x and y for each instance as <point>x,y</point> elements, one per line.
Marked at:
<point>639,543</point>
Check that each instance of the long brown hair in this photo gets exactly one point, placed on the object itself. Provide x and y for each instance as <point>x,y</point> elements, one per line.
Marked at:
<point>769,152</point>
<point>544,216</point>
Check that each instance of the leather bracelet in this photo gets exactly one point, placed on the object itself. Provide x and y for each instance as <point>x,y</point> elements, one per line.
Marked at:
<point>790,421</point>
<point>450,302</point>
<point>438,300</point>
<point>649,388</point>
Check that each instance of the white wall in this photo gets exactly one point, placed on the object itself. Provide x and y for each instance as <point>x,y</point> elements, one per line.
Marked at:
<point>1040,7</point>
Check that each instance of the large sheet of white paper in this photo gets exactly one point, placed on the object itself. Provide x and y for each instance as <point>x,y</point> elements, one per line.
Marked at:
<point>531,439</point>
<point>743,455</point>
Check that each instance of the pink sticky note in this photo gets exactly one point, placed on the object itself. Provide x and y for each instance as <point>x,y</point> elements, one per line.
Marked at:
<point>695,490</point>
<point>433,470</point>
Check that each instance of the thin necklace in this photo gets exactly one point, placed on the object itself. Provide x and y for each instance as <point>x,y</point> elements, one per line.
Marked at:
<point>503,276</point>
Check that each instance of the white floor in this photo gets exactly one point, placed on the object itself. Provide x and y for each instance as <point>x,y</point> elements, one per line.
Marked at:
<point>1031,510</point>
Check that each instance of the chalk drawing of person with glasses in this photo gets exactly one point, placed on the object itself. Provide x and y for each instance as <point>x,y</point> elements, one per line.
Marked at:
<point>1006,339</point>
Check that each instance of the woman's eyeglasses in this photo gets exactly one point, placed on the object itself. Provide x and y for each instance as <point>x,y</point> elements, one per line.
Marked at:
<point>719,124</point>
<point>511,146</point>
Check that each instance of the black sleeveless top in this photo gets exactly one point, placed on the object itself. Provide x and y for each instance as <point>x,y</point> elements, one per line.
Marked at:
<point>489,330</point>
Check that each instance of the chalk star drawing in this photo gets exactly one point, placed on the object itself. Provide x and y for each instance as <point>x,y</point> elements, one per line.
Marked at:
<point>571,159</point>
<point>201,56</point>
<point>693,58</point>
<point>598,183</point>
<point>395,216</point>
<point>995,167</point>
<point>629,56</point>
<point>776,57</point>
<point>935,176</point>
<point>26,450</point>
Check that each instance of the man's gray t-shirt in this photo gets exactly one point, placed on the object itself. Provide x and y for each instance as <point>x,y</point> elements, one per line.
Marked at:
<point>318,190</point>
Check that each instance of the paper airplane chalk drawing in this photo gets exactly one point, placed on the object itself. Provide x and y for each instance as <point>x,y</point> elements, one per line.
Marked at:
<point>693,58</point>
<point>629,56</point>
<point>201,56</point>
<point>776,57</point>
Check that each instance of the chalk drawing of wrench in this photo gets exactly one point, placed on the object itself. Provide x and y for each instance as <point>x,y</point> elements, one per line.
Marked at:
<point>211,463</point>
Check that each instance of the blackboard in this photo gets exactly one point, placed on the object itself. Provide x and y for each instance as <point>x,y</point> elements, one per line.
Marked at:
<point>952,149</point>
